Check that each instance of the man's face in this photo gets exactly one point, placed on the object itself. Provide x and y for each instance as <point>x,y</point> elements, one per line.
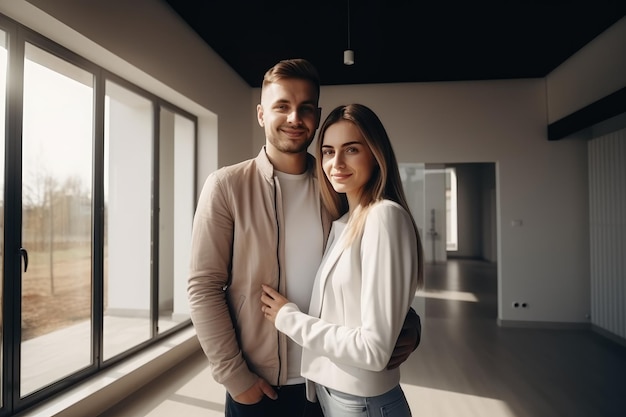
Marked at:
<point>289,114</point>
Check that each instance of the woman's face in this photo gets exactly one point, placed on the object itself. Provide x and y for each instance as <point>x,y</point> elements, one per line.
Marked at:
<point>347,160</point>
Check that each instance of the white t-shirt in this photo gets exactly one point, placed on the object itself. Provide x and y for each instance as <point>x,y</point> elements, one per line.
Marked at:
<point>304,242</point>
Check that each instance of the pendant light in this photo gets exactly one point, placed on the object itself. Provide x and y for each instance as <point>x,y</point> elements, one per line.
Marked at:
<point>348,54</point>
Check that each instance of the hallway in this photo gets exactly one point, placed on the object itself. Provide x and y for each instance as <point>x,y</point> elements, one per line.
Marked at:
<point>465,366</point>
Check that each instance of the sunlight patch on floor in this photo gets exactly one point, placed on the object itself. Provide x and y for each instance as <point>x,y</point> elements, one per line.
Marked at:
<point>175,408</point>
<point>449,295</point>
<point>433,402</point>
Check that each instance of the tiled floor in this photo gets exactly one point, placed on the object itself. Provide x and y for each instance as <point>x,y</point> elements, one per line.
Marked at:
<point>466,366</point>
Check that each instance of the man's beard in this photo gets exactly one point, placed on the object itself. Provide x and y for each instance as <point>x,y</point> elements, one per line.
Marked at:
<point>290,146</point>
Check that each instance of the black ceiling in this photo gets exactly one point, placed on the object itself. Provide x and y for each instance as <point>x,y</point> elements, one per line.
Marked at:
<point>400,40</point>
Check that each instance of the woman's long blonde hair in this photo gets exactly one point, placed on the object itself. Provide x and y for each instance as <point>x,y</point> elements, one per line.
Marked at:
<point>385,182</point>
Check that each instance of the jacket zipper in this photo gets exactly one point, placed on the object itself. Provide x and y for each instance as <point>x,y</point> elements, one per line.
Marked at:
<point>280,364</point>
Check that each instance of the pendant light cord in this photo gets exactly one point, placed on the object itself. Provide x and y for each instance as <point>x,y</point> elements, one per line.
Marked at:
<point>348,24</point>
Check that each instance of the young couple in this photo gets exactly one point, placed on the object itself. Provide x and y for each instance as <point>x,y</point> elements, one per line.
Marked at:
<point>266,249</point>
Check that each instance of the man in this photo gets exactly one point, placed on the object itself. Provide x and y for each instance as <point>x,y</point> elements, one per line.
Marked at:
<point>261,221</point>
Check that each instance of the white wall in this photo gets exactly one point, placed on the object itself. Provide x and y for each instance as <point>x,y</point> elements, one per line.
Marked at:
<point>544,263</point>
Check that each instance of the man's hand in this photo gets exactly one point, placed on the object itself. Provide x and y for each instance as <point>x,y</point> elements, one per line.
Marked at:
<point>404,347</point>
<point>408,340</point>
<point>255,393</point>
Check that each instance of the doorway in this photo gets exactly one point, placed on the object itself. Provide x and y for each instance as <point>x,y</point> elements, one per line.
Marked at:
<point>454,205</point>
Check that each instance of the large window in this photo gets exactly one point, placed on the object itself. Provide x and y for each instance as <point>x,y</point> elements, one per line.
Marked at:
<point>128,156</point>
<point>57,137</point>
<point>177,203</point>
<point>98,202</point>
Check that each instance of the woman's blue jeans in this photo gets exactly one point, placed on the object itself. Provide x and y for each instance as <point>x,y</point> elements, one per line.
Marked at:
<point>338,404</point>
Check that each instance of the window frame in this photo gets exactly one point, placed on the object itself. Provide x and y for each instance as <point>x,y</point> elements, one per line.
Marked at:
<point>11,401</point>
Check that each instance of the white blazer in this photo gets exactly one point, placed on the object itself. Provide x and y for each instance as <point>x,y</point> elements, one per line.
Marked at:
<point>360,299</point>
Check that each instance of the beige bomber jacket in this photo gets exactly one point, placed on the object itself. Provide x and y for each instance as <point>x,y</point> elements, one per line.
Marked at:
<point>237,244</point>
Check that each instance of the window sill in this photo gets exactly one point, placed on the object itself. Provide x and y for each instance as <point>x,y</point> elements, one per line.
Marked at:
<point>102,391</point>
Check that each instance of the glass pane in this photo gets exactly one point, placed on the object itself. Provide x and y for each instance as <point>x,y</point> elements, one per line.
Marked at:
<point>56,219</point>
<point>3,91</point>
<point>451,211</point>
<point>176,179</point>
<point>128,220</point>
<point>414,183</point>
<point>413,178</point>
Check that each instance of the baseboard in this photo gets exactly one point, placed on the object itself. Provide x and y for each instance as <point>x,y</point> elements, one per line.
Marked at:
<point>608,335</point>
<point>543,325</point>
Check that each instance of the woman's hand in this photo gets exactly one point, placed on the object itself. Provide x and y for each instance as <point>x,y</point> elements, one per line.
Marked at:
<point>272,302</point>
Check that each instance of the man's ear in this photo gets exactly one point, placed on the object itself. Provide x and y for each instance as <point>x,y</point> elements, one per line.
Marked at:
<point>319,117</point>
<point>259,115</point>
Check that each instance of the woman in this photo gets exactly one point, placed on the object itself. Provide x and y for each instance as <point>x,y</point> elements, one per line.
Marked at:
<point>367,280</point>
